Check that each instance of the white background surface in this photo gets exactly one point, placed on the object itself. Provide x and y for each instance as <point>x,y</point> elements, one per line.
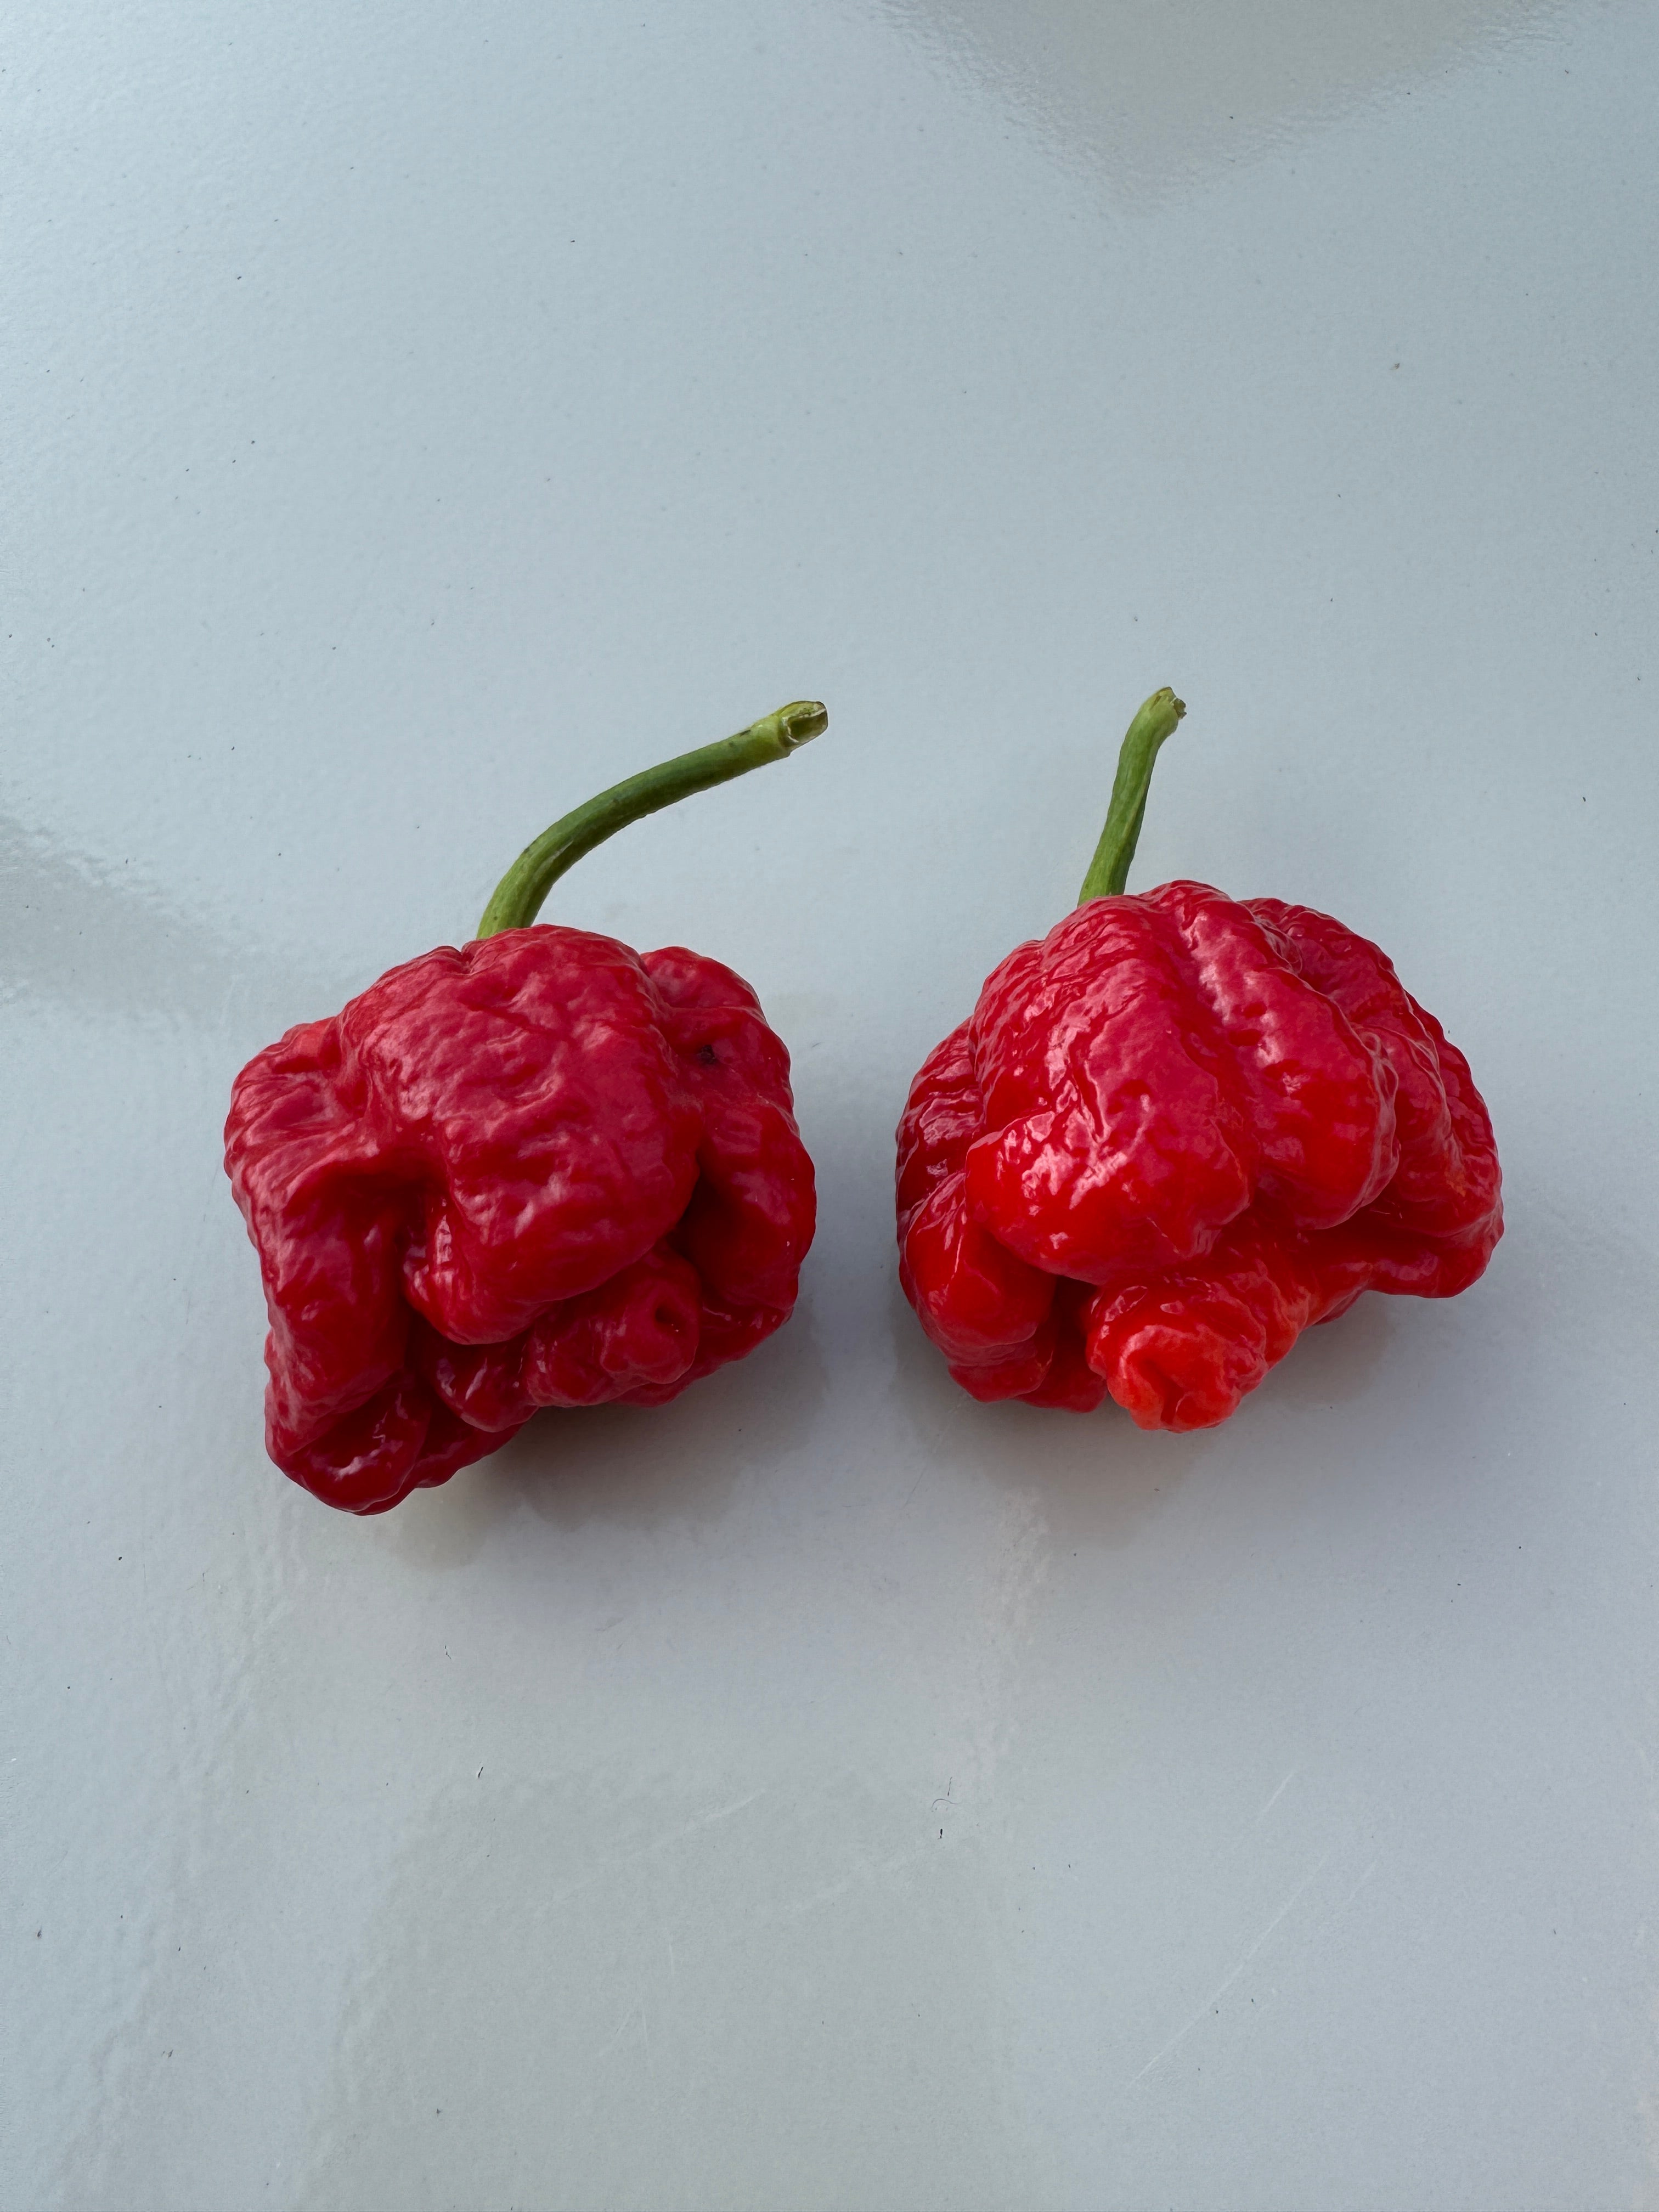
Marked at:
<point>827,1792</point>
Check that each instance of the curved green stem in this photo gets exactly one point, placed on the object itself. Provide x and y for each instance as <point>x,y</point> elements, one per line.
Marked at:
<point>517,899</point>
<point>1108,871</point>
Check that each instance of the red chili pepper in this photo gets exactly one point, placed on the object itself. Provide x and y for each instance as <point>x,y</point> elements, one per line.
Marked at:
<point>1175,1133</point>
<point>542,1171</point>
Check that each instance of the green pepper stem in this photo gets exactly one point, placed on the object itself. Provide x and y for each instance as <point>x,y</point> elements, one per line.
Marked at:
<point>1108,871</point>
<point>517,899</point>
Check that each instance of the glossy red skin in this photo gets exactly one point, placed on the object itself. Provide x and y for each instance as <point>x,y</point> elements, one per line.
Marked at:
<point>1172,1135</point>
<point>542,1171</point>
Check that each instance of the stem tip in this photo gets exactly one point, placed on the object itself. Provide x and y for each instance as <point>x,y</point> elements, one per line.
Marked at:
<point>801,721</point>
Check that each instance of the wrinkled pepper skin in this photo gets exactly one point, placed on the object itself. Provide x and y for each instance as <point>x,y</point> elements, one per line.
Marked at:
<point>543,1169</point>
<point>1173,1134</point>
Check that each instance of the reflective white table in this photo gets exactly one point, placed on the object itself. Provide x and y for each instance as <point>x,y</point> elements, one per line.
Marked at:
<point>827,1792</point>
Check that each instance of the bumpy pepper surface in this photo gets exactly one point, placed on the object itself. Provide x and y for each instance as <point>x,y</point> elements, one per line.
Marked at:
<point>541,1169</point>
<point>1176,1132</point>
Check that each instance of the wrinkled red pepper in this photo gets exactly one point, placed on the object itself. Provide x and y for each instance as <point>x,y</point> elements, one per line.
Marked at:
<point>1173,1134</point>
<point>543,1169</point>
